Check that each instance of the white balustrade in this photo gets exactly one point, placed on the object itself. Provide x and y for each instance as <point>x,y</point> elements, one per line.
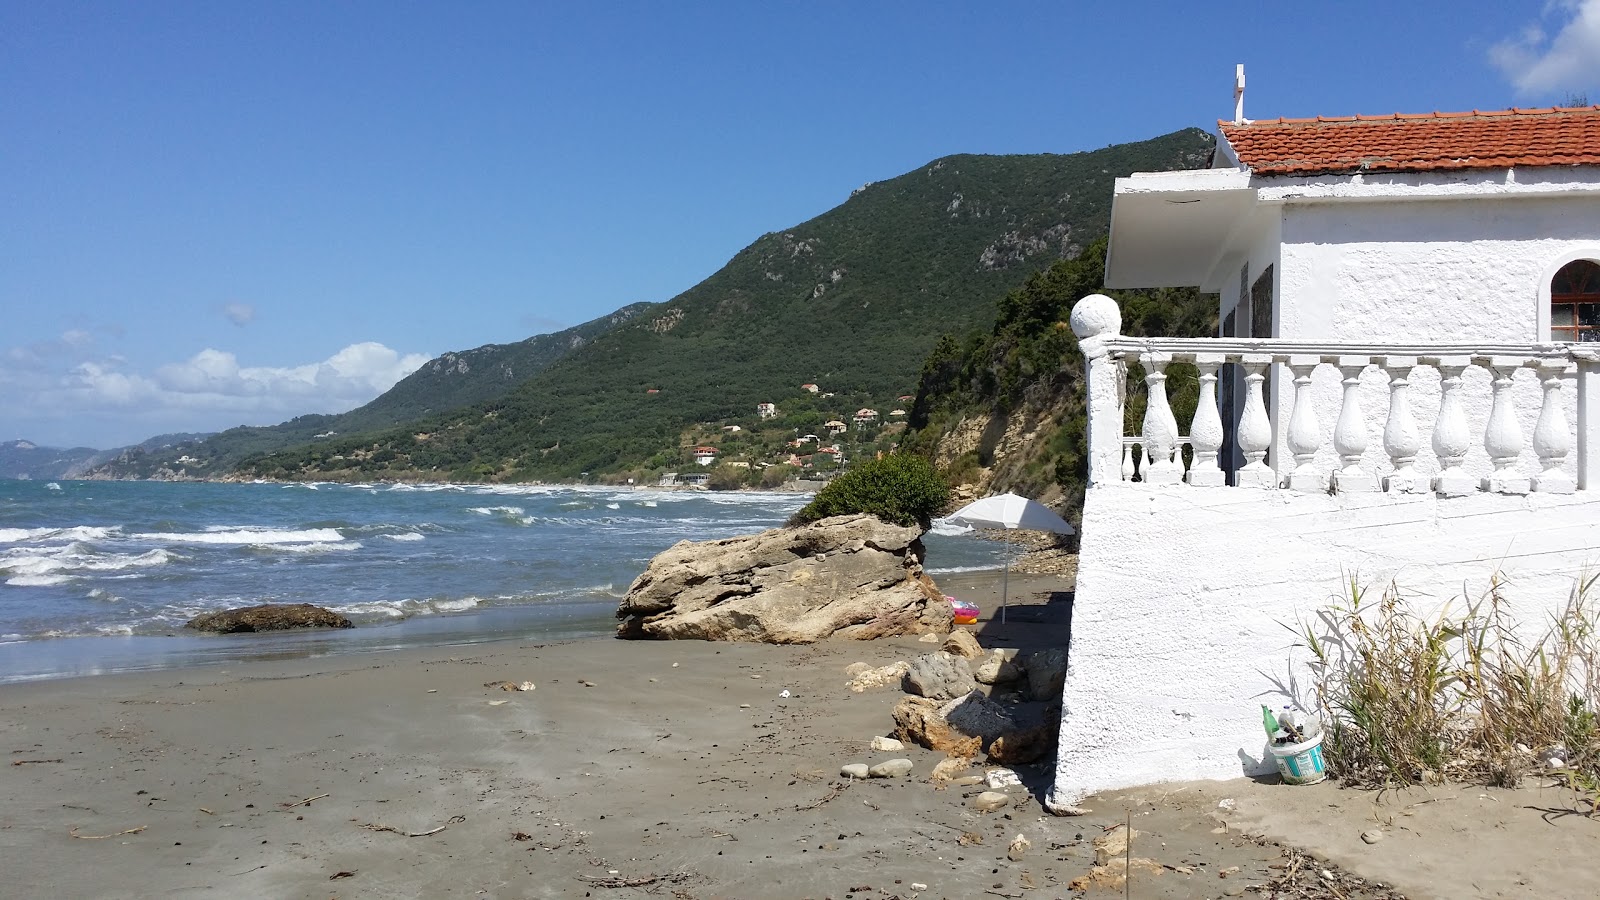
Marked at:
<point>1502,436</point>
<point>1205,432</point>
<point>1305,433</point>
<point>1255,429</point>
<point>1401,439</point>
<point>1350,433</point>
<point>1154,456</point>
<point>1451,439</point>
<point>1551,442</point>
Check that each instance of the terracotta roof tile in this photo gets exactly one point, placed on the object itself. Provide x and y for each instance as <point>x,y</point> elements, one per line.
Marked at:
<point>1418,142</point>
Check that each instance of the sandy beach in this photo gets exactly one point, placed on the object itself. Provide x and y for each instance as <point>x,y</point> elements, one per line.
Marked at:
<point>678,769</point>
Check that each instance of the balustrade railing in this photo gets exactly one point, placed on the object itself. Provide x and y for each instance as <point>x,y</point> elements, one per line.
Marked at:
<point>1155,455</point>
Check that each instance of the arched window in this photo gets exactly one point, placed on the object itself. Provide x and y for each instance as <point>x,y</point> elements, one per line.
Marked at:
<point>1575,302</point>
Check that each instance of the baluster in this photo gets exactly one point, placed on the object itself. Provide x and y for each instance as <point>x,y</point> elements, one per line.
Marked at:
<point>1160,427</point>
<point>1551,441</point>
<point>1305,432</point>
<point>1205,432</point>
<point>1127,462</point>
<point>1401,440</point>
<point>1502,437</point>
<point>1255,429</point>
<point>1450,435</point>
<point>1350,432</point>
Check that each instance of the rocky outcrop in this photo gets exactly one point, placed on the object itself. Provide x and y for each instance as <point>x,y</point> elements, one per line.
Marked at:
<point>268,617</point>
<point>847,576</point>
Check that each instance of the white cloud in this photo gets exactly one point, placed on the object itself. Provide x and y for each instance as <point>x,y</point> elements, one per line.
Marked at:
<point>100,402</point>
<point>1537,63</point>
<point>239,313</point>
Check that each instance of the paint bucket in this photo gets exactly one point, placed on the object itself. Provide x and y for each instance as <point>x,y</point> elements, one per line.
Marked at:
<point>1300,763</point>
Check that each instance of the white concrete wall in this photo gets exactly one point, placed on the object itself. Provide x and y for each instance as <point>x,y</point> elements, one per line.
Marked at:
<point>1188,599</point>
<point>1455,270</point>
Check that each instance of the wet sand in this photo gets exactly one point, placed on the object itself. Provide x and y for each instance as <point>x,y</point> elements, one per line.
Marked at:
<point>641,769</point>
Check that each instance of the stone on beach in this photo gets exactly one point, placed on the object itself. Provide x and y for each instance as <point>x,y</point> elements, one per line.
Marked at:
<point>851,576</point>
<point>962,643</point>
<point>268,617</point>
<point>938,676</point>
<point>886,744</point>
<point>998,668</point>
<point>974,723</point>
<point>989,801</point>
<point>891,768</point>
<point>854,770</point>
<point>868,678</point>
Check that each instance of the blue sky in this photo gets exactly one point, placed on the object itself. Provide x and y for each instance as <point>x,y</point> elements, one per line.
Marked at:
<point>215,214</point>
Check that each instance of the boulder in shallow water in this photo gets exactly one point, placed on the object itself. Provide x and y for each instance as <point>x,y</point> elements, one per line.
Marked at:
<point>846,576</point>
<point>268,617</point>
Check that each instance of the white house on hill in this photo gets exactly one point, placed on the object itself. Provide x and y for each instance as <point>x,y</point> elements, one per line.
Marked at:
<point>1405,389</point>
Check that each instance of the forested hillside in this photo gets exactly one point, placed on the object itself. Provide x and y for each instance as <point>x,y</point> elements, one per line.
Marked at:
<point>852,301</point>
<point>1003,409</point>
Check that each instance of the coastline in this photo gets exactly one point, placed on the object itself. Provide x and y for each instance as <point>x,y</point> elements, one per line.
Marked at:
<point>642,768</point>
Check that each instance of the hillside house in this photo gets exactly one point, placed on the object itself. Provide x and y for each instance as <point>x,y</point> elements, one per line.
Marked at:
<point>834,427</point>
<point>809,388</point>
<point>766,410</point>
<point>705,456</point>
<point>1405,390</point>
<point>865,417</point>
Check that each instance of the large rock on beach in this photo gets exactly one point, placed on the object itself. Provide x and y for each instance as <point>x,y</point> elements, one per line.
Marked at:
<point>846,576</point>
<point>268,617</point>
<point>1013,734</point>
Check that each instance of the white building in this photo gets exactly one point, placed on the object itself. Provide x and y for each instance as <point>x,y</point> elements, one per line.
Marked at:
<point>1392,399</point>
<point>766,410</point>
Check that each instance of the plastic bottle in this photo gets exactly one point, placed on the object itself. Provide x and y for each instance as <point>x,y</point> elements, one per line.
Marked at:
<point>1289,721</point>
<point>1268,722</point>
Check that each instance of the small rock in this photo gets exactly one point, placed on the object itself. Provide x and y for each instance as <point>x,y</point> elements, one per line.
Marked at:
<point>929,638</point>
<point>918,886</point>
<point>945,770</point>
<point>528,686</point>
<point>961,643</point>
<point>1236,890</point>
<point>989,801</point>
<point>1227,804</point>
<point>938,676</point>
<point>891,768</point>
<point>997,668</point>
<point>1372,835</point>
<point>856,668</point>
<point>1001,778</point>
<point>784,694</point>
<point>855,770</point>
<point>1556,762</point>
<point>1019,848</point>
<point>871,678</point>
<point>744,706</point>
<point>887,744</point>
<point>967,780</point>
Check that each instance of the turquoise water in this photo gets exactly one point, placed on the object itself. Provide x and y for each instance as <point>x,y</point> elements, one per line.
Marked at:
<point>101,576</point>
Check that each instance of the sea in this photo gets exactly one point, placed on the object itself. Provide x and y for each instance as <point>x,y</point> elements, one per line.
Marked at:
<point>99,577</point>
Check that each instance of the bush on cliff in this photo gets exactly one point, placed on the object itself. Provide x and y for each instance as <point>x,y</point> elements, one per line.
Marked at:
<point>902,488</point>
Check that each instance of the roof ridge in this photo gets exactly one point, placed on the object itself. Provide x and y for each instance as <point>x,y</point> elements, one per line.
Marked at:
<point>1412,117</point>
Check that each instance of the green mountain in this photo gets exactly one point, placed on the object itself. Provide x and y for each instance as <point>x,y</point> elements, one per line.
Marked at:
<point>451,381</point>
<point>852,300</point>
<point>25,459</point>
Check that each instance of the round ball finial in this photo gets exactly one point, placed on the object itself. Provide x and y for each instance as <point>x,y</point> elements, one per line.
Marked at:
<point>1095,315</point>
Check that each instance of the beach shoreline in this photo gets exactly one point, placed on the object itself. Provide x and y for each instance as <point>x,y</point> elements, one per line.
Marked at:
<point>642,768</point>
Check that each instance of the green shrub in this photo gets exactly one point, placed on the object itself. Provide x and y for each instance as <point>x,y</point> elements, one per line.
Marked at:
<point>901,488</point>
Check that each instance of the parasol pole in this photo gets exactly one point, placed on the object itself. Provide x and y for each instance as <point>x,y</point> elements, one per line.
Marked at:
<point>1005,580</point>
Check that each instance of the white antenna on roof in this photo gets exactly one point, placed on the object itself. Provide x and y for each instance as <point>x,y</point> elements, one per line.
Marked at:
<point>1238,95</point>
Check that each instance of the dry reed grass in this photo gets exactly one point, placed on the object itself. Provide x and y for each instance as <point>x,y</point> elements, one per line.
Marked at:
<point>1407,698</point>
